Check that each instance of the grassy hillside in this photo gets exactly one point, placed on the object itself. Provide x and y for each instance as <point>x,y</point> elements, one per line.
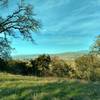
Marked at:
<point>16,87</point>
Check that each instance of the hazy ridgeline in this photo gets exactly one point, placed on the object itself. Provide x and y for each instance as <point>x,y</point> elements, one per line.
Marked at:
<point>83,67</point>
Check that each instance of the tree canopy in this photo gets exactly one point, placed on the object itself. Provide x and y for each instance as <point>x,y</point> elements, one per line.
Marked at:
<point>96,45</point>
<point>22,20</point>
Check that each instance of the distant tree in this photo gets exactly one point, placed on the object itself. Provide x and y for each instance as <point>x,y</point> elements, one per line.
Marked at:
<point>41,65</point>
<point>96,46</point>
<point>60,68</point>
<point>22,20</point>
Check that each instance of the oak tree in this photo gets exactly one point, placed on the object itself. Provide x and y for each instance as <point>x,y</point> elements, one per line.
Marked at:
<point>22,20</point>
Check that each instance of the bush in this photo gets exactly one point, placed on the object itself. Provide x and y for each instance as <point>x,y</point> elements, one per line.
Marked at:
<point>19,67</point>
<point>60,68</point>
<point>86,66</point>
<point>41,65</point>
<point>44,65</point>
<point>3,65</point>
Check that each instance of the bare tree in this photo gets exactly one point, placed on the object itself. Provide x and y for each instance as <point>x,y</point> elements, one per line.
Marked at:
<point>21,20</point>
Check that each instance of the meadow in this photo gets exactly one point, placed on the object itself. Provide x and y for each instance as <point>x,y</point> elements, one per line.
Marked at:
<point>18,87</point>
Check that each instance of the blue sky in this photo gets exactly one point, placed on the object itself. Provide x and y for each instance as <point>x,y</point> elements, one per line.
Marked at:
<point>67,25</point>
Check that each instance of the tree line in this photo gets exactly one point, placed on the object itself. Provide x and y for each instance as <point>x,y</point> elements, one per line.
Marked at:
<point>85,67</point>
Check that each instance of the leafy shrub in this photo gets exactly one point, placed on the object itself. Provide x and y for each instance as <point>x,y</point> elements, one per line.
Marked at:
<point>86,66</point>
<point>3,64</point>
<point>41,65</point>
<point>44,65</point>
<point>60,68</point>
<point>19,67</point>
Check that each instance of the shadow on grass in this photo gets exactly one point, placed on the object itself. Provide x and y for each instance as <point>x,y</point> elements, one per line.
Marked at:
<point>53,91</point>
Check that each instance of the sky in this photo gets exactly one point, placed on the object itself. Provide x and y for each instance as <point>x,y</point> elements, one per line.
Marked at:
<point>67,25</point>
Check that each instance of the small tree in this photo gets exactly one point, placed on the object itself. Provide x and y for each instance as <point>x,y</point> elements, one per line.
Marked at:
<point>96,46</point>
<point>41,65</point>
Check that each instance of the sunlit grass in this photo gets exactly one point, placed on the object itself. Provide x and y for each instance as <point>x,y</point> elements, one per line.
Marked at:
<point>17,87</point>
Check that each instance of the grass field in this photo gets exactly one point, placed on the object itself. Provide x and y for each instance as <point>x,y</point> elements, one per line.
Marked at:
<point>16,87</point>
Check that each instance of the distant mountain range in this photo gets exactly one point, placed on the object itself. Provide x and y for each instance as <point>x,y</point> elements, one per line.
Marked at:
<point>65,55</point>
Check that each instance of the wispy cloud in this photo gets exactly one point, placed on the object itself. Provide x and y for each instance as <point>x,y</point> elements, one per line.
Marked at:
<point>67,24</point>
<point>83,18</point>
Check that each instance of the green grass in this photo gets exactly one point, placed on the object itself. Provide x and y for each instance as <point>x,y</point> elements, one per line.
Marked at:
<point>16,87</point>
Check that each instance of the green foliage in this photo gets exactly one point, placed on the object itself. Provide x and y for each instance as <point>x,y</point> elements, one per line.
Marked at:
<point>44,65</point>
<point>19,67</point>
<point>3,64</point>
<point>60,68</point>
<point>17,87</point>
<point>96,46</point>
<point>86,66</point>
<point>41,65</point>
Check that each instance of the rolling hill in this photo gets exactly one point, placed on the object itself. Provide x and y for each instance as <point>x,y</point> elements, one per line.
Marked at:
<point>65,55</point>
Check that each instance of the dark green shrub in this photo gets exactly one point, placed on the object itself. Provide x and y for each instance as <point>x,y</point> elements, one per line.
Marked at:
<point>44,65</point>
<point>19,67</point>
<point>41,65</point>
<point>3,65</point>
